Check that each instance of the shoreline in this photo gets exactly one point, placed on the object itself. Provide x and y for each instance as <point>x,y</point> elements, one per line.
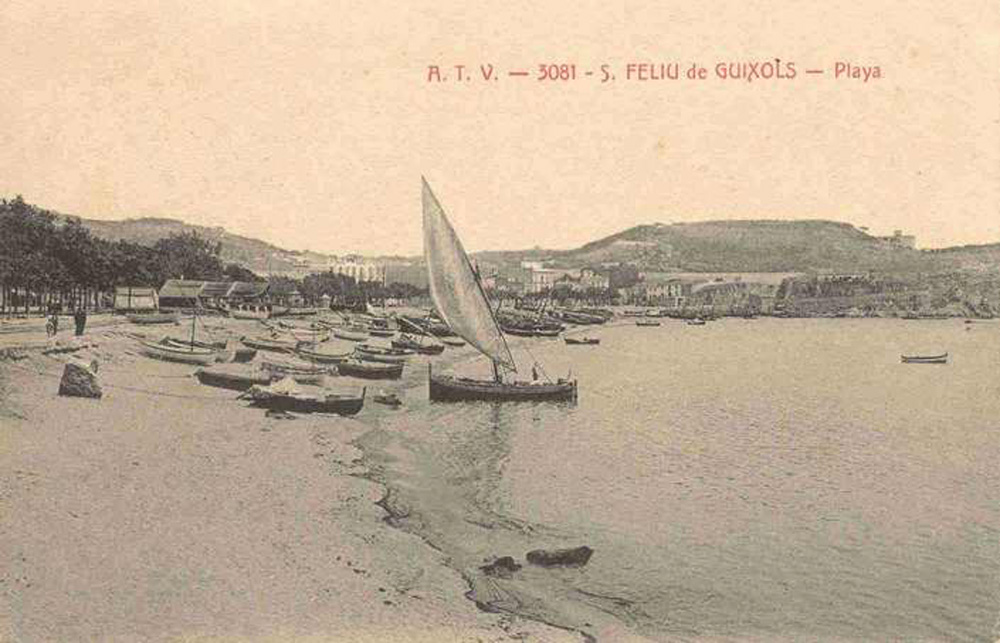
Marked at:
<point>184,514</point>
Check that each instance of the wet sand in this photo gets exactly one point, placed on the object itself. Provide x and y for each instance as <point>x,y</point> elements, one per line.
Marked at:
<point>170,511</point>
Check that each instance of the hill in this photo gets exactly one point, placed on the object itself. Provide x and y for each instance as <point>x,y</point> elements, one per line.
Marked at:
<point>259,256</point>
<point>707,246</point>
<point>760,246</point>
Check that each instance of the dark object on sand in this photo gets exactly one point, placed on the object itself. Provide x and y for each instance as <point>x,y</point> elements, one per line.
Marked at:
<point>925,359</point>
<point>503,566</point>
<point>79,379</point>
<point>575,557</point>
<point>279,415</point>
<point>389,399</point>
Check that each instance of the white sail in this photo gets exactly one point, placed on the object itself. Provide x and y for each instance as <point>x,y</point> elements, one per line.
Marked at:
<point>454,287</point>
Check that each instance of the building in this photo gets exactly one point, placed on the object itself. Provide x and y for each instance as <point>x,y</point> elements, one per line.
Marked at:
<point>899,240</point>
<point>136,298</point>
<point>182,293</point>
<point>360,270</point>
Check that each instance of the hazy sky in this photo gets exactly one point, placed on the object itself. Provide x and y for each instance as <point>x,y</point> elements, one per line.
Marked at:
<point>309,123</point>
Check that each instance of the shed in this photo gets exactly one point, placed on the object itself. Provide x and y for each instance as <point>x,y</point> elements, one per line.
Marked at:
<point>129,298</point>
<point>180,293</point>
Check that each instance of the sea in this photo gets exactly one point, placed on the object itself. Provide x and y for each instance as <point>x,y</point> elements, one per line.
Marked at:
<point>746,480</point>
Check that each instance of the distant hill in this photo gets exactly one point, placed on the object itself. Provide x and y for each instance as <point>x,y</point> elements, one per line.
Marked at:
<point>707,246</point>
<point>759,246</point>
<point>259,256</point>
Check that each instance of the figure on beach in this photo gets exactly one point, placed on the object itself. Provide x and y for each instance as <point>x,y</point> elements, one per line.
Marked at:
<point>80,317</point>
<point>52,324</point>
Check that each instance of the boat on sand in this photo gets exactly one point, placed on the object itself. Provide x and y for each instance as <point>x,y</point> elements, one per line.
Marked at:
<point>285,395</point>
<point>925,359</point>
<point>462,305</point>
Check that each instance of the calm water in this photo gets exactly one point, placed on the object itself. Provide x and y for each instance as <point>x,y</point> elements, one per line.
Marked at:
<point>770,479</point>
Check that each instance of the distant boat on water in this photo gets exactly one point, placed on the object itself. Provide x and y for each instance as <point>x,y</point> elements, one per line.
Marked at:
<point>925,359</point>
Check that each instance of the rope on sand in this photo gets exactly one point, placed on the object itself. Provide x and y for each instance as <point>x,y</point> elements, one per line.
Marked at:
<point>124,388</point>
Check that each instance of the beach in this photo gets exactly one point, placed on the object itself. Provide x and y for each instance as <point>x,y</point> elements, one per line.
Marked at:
<point>169,511</point>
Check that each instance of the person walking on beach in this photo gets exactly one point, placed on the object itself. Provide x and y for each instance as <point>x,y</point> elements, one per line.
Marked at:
<point>52,325</point>
<point>80,317</point>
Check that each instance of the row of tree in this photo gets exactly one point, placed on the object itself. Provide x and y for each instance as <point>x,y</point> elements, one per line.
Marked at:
<point>47,259</point>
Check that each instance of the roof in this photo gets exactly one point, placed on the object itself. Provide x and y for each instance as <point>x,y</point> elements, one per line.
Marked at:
<point>216,288</point>
<point>181,288</point>
<point>282,288</point>
<point>135,291</point>
<point>248,289</point>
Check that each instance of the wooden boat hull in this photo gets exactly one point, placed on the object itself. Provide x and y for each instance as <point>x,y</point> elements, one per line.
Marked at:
<point>380,332</point>
<point>383,355</point>
<point>338,405</point>
<point>247,314</point>
<point>323,358</point>
<point>446,388</point>
<point>198,356</point>
<point>230,380</point>
<point>581,342</point>
<point>153,318</point>
<point>269,345</point>
<point>647,323</point>
<point>454,342</point>
<point>925,359</point>
<point>370,371</point>
<point>350,336</point>
<point>426,349</point>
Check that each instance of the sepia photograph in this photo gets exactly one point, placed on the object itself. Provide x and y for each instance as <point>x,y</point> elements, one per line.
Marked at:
<point>438,321</point>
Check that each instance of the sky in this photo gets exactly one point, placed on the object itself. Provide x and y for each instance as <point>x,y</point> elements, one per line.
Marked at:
<point>310,123</point>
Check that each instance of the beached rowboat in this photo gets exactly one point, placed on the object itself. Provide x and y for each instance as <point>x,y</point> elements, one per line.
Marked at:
<point>925,359</point>
<point>370,370</point>
<point>185,355</point>
<point>234,378</point>
<point>275,397</point>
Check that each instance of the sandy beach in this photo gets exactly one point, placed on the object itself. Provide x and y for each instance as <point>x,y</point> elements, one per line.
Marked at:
<point>170,511</point>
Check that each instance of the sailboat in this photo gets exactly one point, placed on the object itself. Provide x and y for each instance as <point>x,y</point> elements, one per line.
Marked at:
<point>173,350</point>
<point>462,304</point>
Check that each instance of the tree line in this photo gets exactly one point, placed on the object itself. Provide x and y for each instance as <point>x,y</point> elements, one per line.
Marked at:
<point>52,260</point>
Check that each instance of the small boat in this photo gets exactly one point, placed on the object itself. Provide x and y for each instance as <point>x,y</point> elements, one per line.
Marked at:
<point>461,302</point>
<point>300,371</point>
<point>575,557</point>
<point>350,335</point>
<point>388,399</point>
<point>370,370</point>
<point>647,322</point>
<point>185,355</point>
<point>153,318</point>
<point>925,359</point>
<point>454,342</point>
<point>582,341</point>
<point>276,345</point>
<point>409,342</point>
<point>322,355</point>
<point>285,396</point>
<point>696,322</point>
<point>185,343</point>
<point>229,376</point>
<point>371,353</point>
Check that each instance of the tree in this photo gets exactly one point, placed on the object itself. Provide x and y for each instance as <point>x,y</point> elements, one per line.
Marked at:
<point>188,256</point>
<point>236,272</point>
